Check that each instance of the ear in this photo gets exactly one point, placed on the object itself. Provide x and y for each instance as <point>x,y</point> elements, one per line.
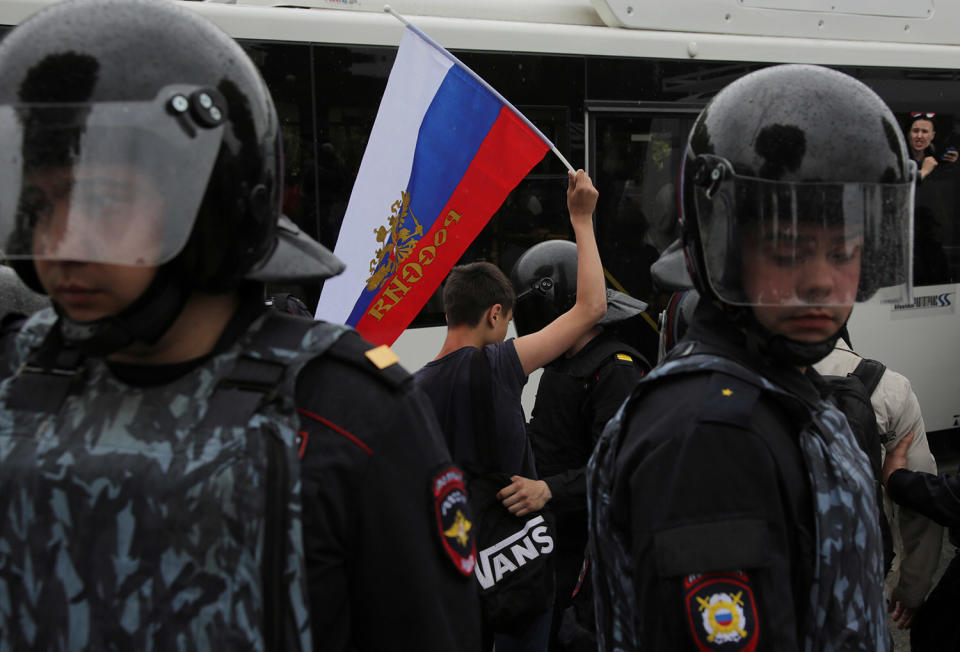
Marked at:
<point>494,315</point>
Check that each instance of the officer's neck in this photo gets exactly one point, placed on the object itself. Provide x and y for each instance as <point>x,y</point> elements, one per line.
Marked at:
<point>585,339</point>
<point>193,334</point>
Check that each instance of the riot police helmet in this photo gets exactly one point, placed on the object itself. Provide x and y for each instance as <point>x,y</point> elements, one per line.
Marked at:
<point>545,281</point>
<point>137,133</point>
<point>799,165</point>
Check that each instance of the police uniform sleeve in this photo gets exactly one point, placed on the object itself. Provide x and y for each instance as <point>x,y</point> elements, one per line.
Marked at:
<point>610,386</point>
<point>714,535</point>
<point>379,572</point>
<point>935,496</point>
<point>920,538</point>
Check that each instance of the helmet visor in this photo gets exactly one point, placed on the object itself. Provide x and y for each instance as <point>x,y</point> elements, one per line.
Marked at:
<point>785,243</point>
<point>117,183</point>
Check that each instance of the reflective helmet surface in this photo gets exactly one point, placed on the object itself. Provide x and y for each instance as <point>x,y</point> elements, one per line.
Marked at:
<point>545,280</point>
<point>789,146</point>
<point>157,101</point>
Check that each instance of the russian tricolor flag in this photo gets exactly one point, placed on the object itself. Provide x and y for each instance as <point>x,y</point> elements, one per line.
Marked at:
<point>445,151</point>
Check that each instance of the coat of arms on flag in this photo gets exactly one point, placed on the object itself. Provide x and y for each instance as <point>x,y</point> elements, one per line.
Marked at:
<point>444,152</point>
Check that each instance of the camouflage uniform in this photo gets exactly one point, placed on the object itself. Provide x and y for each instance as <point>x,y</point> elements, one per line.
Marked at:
<point>132,520</point>
<point>117,535</point>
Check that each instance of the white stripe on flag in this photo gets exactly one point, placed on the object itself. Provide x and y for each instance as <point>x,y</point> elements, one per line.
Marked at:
<point>385,170</point>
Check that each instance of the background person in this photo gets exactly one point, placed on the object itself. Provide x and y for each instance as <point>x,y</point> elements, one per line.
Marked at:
<point>916,539</point>
<point>930,263</point>
<point>920,135</point>
<point>181,467</point>
<point>730,503</point>
<point>578,393</point>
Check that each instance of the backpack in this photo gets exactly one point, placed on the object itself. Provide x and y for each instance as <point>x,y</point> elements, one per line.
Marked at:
<point>852,394</point>
<point>514,568</point>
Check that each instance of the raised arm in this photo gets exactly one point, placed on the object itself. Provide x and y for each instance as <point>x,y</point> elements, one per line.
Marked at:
<point>537,349</point>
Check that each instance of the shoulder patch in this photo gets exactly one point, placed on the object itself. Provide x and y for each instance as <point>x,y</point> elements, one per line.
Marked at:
<point>379,362</point>
<point>382,357</point>
<point>721,611</point>
<point>728,400</point>
<point>623,358</point>
<point>454,518</point>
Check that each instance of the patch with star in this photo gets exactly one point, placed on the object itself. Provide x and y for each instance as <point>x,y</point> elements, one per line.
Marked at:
<point>729,401</point>
<point>454,518</point>
<point>721,611</point>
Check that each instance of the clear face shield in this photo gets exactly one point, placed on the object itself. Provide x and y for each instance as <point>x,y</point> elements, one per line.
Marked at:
<point>114,182</point>
<point>769,243</point>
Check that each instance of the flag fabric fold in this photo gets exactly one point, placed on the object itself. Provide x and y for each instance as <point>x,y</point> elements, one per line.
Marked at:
<point>444,152</point>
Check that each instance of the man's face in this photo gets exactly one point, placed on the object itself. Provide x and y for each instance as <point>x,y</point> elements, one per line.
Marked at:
<point>921,135</point>
<point>802,282</point>
<point>95,237</point>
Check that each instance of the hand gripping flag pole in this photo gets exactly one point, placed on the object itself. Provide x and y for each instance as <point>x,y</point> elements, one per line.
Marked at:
<point>445,151</point>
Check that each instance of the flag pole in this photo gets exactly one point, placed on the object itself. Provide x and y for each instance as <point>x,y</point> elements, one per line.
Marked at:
<point>388,9</point>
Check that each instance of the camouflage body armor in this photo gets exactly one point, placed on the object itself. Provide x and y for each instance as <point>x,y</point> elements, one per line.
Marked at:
<point>162,517</point>
<point>846,609</point>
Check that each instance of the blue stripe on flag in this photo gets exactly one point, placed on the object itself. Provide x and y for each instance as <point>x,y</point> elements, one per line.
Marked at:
<point>452,131</point>
<point>453,128</point>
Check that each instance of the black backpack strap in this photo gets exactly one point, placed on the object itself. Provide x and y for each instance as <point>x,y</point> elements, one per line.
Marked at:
<point>481,398</point>
<point>47,376</point>
<point>256,378</point>
<point>869,372</point>
<point>260,368</point>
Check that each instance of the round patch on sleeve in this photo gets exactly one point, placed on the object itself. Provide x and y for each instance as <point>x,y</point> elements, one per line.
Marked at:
<point>454,518</point>
<point>721,611</point>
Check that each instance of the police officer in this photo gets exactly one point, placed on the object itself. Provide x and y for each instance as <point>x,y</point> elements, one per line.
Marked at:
<point>731,507</point>
<point>181,467</point>
<point>577,395</point>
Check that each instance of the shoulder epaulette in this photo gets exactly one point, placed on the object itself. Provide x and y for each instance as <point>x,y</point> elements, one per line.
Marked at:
<point>728,400</point>
<point>589,361</point>
<point>378,361</point>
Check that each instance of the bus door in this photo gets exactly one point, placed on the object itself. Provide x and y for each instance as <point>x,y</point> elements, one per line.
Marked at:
<point>634,152</point>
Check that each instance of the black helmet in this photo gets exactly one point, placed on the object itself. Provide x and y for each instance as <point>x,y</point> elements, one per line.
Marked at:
<point>153,120</point>
<point>789,144</point>
<point>545,280</point>
<point>787,159</point>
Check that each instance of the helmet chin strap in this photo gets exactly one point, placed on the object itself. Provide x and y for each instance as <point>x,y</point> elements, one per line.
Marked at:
<point>144,320</point>
<point>779,347</point>
<point>799,354</point>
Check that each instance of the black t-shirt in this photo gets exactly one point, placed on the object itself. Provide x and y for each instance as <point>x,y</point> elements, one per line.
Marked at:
<point>447,384</point>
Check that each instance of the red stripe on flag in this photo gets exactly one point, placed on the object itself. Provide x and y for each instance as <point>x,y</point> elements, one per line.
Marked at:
<point>507,154</point>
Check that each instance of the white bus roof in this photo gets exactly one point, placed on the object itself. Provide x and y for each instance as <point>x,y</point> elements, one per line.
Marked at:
<point>772,31</point>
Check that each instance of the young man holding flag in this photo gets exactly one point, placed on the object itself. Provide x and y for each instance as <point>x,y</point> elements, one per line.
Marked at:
<point>478,301</point>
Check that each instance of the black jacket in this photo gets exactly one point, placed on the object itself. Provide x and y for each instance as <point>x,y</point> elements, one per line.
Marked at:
<point>575,399</point>
<point>712,499</point>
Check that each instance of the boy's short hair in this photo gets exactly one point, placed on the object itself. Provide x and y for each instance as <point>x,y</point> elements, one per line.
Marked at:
<point>471,289</point>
